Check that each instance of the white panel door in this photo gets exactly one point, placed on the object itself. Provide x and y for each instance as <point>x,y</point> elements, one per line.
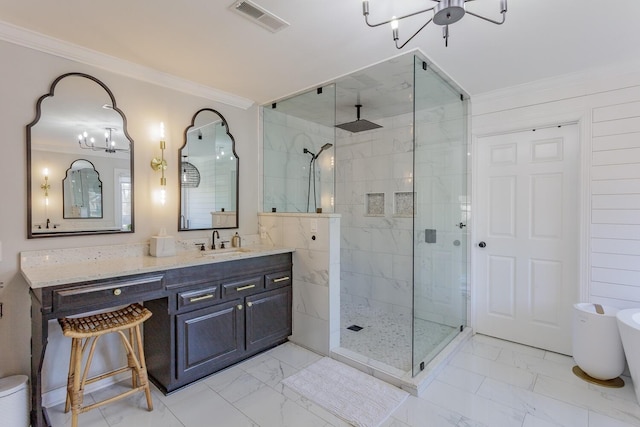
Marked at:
<point>528,222</point>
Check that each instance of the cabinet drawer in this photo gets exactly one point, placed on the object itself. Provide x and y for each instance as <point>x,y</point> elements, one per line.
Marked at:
<point>198,297</point>
<point>243,287</point>
<point>108,293</point>
<point>276,280</point>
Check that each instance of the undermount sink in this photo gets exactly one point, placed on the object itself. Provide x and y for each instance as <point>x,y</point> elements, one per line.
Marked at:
<point>219,253</point>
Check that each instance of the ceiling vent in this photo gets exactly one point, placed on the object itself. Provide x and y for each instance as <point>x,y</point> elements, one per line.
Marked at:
<point>259,15</point>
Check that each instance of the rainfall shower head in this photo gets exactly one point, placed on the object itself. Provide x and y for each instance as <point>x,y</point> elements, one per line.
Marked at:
<point>359,125</point>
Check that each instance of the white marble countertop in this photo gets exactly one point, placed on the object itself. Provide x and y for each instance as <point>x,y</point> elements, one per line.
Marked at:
<point>64,266</point>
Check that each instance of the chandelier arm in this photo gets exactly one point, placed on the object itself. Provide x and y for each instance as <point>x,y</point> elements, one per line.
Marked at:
<point>414,34</point>
<point>504,15</point>
<point>366,18</point>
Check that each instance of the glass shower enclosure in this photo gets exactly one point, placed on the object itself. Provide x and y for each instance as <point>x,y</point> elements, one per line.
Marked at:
<point>386,148</point>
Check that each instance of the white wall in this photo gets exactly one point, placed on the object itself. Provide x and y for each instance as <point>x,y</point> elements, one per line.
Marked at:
<point>606,103</point>
<point>26,75</point>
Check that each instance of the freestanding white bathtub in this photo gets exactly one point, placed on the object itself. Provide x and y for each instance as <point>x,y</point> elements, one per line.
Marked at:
<point>629,325</point>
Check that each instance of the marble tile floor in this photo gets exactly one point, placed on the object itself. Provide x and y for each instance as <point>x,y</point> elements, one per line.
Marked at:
<point>386,336</point>
<point>489,383</point>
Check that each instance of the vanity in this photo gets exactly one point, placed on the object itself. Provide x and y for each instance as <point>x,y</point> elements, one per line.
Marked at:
<point>210,309</point>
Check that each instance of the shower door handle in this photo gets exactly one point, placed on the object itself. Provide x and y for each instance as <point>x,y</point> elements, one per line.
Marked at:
<point>482,244</point>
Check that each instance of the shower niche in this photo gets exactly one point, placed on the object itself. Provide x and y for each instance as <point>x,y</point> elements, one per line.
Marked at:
<point>395,165</point>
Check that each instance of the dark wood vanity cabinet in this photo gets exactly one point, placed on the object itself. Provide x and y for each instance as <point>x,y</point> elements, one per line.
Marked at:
<point>208,339</point>
<point>216,315</point>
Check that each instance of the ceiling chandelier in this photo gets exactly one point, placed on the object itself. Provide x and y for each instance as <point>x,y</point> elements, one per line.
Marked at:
<point>87,143</point>
<point>445,13</point>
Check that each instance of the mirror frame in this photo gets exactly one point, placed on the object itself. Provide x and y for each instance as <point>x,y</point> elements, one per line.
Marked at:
<point>179,180</point>
<point>30,233</point>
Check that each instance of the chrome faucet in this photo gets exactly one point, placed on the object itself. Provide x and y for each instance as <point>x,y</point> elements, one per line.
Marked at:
<point>214,234</point>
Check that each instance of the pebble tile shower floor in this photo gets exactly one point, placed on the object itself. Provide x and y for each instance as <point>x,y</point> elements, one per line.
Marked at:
<point>386,337</point>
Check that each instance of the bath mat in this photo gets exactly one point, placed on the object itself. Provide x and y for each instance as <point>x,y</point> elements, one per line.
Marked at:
<point>354,396</point>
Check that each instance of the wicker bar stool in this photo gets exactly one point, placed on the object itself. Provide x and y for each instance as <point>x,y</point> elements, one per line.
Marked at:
<point>85,332</point>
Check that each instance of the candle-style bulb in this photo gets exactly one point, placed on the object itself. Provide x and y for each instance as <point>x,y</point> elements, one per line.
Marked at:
<point>394,28</point>
<point>161,130</point>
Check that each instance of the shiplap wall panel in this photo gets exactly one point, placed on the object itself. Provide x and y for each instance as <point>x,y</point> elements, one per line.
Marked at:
<point>612,290</point>
<point>616,186</point>
<point>616,127</point>
<point>616,246</point>
<point>615,202</point>
<point>616,112</point>
<point>615,172</point>
<point>616,261</point>
<point>616,157</point>
<point>612,275</point>
<point>616,142</point>
<point>604,216</point>
<point>615,231</point>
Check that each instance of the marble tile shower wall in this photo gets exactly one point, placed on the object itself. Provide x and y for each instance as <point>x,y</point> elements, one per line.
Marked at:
<point>287,166</point>
<point>376,250</point>
<point>316,274</point>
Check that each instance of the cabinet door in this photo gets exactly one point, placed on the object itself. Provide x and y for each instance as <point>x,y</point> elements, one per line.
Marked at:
<point>268,318</point>
<point>209,339</point>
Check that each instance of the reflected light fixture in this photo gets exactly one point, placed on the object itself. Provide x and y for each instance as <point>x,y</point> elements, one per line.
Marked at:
<point>444,13</point>
<point>160,164</point>
<point>46,186</point>
<point>89,143</point>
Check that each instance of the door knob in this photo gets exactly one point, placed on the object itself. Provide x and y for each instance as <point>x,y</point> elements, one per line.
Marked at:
<point>482,244</point>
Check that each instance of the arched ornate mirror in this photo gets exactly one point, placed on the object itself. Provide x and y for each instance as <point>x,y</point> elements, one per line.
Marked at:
<point>208,174</point>
<point>78,123</point>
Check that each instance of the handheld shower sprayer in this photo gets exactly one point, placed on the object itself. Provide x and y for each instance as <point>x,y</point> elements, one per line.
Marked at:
<point>312,171</point>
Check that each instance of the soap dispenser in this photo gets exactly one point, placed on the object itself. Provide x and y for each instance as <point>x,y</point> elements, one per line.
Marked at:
<point>235,241</point>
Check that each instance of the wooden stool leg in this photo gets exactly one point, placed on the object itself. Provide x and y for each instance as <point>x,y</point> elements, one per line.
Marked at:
<point>76,393</point>
<point>72,365</point>
<point>143,368</point>
<point>131,363</point>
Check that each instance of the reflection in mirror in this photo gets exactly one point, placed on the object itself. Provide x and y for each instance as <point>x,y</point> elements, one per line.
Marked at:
<point>78,123</point>
<point>208,174</point>
<point>82,191</point>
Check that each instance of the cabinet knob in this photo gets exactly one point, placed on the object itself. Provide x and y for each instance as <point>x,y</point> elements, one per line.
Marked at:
<point>117,292</point>
<point>239,306</point>
<point>249,304</point>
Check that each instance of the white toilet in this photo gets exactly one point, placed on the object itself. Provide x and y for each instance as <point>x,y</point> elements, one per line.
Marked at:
<point>629,326</point>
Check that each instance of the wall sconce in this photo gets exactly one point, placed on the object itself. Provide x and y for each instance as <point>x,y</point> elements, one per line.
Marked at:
<point>160,164</point>
<point>45,186</point>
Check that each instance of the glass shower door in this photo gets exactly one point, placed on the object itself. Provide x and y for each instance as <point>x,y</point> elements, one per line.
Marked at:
<point>441,212</point>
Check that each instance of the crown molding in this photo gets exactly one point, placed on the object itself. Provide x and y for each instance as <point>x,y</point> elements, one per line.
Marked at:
<point>43,43</point>
<point>605,78</point>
